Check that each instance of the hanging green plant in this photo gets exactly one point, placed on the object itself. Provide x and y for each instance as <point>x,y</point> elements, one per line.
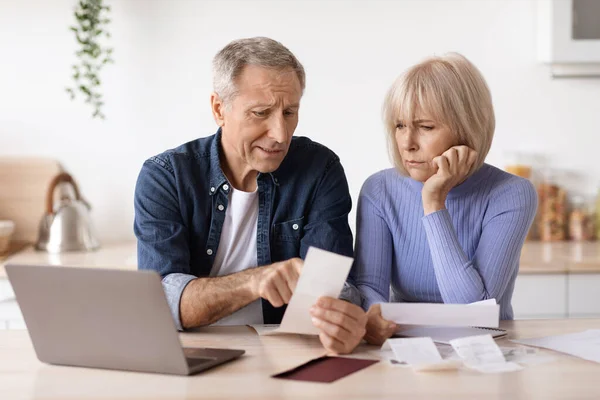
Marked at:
<point>90,32</point>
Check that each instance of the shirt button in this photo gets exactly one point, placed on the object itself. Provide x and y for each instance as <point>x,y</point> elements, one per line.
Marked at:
<point>209,252</point>
<point>295,227</point>
<point>226,187</point>
<point>220,207</point>
<point>212,189</point>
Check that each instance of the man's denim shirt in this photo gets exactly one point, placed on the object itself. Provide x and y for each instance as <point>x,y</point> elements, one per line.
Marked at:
<point>181,198</point>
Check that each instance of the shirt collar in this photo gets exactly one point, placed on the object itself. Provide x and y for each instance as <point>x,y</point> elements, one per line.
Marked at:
<point>217,177</point>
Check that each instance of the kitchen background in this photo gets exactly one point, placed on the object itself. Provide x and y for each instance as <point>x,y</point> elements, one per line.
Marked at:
<point>157,92</point>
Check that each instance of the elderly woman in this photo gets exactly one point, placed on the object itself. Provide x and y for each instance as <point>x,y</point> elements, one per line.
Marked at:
<point>442,226</point>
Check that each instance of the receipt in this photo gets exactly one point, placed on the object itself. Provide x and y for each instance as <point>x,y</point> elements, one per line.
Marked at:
<point>413,350</point>
<point>420,353</point>
<point>481,353</point>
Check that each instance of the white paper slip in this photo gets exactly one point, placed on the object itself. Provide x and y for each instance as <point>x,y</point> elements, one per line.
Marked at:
<point>482,354</point>
<point>478,350</point>
<point>485,315</point>
<point>323,274</point>
<point>444,334</point>
<point>420,353</point>
<point>414,350</point>
<point>584,344</point>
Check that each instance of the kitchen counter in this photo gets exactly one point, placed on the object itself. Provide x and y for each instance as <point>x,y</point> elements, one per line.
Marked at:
<point>560,258</point>
<point>536,258</point>
<point>112,256</point>
<point>564,275</point>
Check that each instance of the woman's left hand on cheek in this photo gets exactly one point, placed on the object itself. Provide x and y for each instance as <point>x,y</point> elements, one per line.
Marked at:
<point>460,161</point>
<point>453,166</point>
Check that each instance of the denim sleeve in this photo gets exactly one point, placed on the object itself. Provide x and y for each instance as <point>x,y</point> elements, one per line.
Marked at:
<point>162,236</point>
<point>327,220</point>
<point>173,285</point>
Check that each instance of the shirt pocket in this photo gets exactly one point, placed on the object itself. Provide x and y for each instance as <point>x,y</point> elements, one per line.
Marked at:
<point>286,239</point>
<point>288,231</point>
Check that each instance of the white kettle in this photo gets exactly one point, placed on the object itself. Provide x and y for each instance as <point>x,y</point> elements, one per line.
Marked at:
<point>66,226</point>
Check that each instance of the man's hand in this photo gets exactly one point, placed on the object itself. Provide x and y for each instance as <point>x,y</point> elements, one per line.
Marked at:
<point>342,324</point>
<point>276,282</point>
<point>378,329</point>
<point>453,166</point>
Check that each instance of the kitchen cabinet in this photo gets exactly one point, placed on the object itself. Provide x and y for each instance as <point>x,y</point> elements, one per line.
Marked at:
<point>584,295</point>
<point>558,280</point>
<point>540,296</point>
<point>10,314</point>
<point>566,295</point>
<point>568,37</point>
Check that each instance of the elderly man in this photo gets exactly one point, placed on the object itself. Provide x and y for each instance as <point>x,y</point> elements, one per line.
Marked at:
<point>226,219</point>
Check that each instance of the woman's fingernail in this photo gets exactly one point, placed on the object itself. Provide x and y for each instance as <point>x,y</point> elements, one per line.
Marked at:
<point>315,320</point>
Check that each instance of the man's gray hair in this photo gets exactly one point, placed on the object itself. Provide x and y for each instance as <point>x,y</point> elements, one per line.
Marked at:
<point>260,51</point>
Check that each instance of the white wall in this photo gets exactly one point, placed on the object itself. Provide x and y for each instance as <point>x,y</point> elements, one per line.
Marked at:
<point>157,92</point>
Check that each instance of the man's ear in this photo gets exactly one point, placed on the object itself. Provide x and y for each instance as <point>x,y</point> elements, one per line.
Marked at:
<point>218,108</point>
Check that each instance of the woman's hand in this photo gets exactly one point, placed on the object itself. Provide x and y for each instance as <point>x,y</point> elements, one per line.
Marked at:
<point>453,166</point>
<point>378,329</point>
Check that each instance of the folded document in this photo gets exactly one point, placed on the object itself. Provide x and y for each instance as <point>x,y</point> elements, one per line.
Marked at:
<point>483,314</point>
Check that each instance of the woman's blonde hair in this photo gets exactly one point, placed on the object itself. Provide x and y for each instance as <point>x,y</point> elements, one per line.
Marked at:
<point>452,91</point>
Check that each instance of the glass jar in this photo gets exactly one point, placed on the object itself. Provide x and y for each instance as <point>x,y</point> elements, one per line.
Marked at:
<point>552,209</point>
<point>518,163</point>
<point>591,218</point>
<point>578,220</point>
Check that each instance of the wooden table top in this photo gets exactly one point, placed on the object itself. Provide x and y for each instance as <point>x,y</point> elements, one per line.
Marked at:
<point>22,376</point>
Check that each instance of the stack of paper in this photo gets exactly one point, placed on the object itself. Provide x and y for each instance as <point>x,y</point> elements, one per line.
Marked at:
<point>484,314</point>
<point>444,322</point>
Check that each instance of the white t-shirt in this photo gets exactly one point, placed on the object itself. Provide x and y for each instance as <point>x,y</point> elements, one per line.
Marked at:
<point>237,250</point>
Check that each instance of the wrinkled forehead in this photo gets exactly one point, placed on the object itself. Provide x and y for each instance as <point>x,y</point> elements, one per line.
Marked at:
<point>417,99</point>
<point>255,76</point>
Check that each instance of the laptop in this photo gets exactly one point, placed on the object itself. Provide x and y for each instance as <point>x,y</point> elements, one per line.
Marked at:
<point>99,318</point>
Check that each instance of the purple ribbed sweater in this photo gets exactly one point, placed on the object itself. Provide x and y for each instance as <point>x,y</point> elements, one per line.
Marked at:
<point>468,252</point>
